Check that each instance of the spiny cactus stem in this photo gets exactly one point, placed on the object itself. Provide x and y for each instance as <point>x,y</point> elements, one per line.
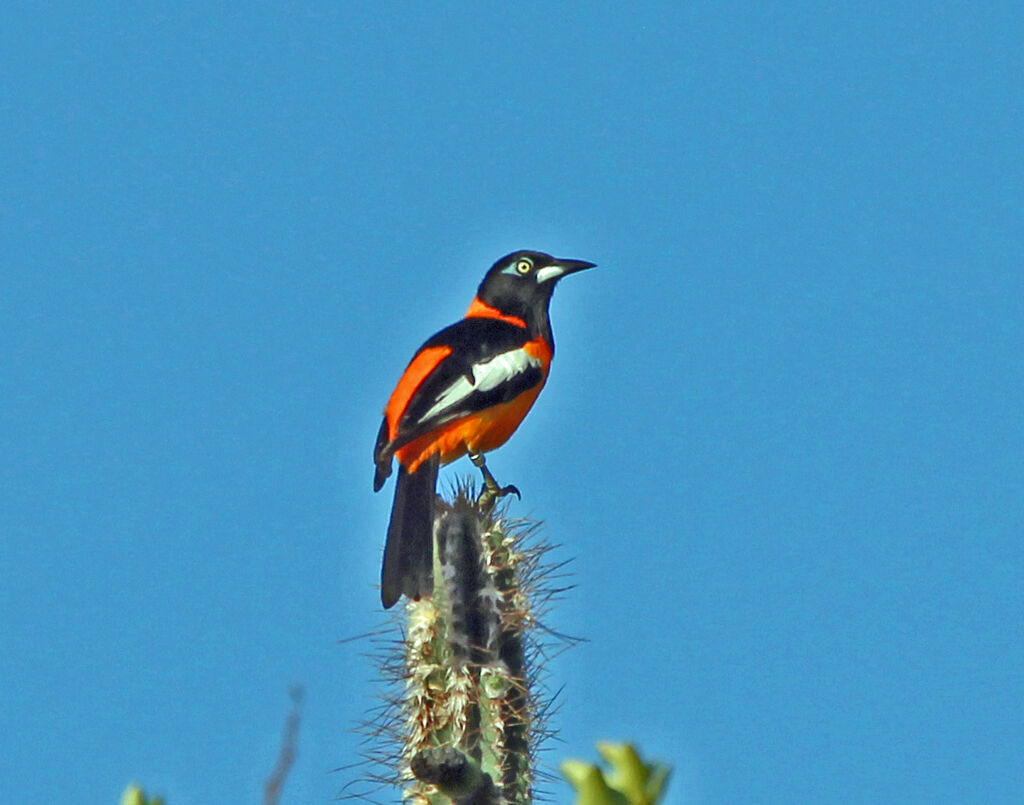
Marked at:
<point>468,710</point>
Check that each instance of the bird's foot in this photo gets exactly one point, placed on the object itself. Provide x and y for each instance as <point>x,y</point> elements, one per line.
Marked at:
<point>491,492</point>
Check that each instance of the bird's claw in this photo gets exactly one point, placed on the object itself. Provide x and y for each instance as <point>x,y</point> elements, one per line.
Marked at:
<point>490,495</point>
<point>491,491</point>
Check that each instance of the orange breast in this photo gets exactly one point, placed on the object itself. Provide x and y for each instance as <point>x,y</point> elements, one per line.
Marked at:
<point>476,433</point>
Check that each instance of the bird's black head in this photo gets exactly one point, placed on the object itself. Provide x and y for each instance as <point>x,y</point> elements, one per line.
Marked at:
<point>520,284</point>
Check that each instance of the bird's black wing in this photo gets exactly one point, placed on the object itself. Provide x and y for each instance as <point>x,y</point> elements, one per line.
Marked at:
<point>488,365</point>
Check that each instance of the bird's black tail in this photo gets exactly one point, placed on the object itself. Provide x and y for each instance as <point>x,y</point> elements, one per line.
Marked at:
<point>408,553</point>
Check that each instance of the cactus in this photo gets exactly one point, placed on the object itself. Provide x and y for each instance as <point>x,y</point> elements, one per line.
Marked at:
<point>468,716</point>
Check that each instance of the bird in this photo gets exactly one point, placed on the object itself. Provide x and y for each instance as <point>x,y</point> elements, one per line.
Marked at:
<point>464,393</point>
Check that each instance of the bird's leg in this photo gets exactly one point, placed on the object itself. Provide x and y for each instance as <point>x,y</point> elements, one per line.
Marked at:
<point>491,491</point>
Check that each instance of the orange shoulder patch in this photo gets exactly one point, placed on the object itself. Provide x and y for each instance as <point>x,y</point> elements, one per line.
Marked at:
<point>419,368</point>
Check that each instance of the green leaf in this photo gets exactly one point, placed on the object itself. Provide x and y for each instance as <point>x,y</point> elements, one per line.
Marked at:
<point>591,787</point>
<point>628,781</point>
<point>133,796</point>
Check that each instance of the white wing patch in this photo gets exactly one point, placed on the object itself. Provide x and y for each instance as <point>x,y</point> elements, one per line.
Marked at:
<point>486,376</point>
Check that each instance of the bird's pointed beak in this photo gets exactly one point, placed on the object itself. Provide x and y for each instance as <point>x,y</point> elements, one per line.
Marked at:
<point>560,268</point>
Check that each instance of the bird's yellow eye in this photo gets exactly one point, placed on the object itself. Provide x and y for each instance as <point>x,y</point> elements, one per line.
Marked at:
<point>524,266</point>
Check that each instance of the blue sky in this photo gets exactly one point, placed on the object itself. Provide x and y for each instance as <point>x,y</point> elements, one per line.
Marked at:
<point>782,439</point>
